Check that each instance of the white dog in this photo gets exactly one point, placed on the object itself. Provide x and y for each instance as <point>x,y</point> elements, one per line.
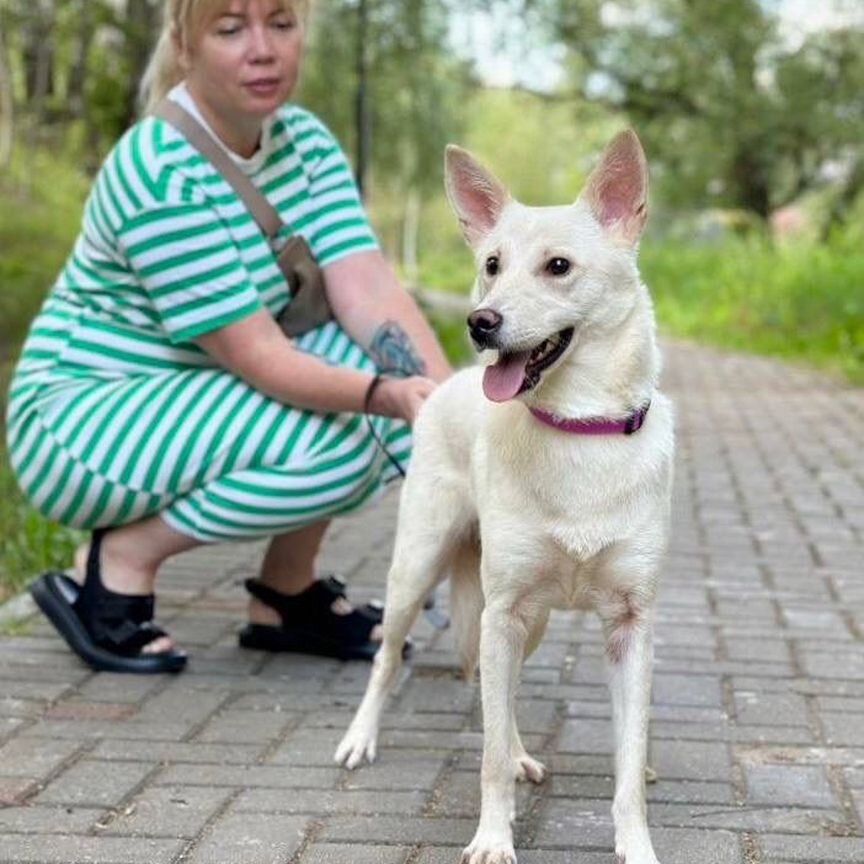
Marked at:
<point>561,475</point>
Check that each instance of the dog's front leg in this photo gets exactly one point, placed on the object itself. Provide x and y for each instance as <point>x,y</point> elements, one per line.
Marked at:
<point>502,648</point>
<point>407,586</point>
<point>629,655</point>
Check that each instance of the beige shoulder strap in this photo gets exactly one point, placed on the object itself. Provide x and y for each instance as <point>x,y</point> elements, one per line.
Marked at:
<point>262,210</point>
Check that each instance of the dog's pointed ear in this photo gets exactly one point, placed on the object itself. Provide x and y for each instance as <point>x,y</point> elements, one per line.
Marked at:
<point>475,195</point>
<point>617,190</point>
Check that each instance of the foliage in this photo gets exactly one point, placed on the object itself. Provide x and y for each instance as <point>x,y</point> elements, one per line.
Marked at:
<point>740,114</point>
<point>415,90</point>
<point>416,86</point>
<point>799,302</point>
<point>41,198</point>
<point>29,543</point>
<point>68,55</point>
<point>542,152</point>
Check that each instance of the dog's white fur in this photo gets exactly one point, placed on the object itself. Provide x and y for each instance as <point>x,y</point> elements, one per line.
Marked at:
<point>564,520</point>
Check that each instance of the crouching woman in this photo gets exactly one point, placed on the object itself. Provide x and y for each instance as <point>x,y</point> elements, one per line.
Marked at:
<point>157,402</point>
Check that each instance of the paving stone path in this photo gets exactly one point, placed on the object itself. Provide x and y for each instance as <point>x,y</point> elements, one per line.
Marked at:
<point>758,718</point>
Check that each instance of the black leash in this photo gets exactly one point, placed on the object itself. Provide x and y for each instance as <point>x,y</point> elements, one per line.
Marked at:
<point>367,401</point>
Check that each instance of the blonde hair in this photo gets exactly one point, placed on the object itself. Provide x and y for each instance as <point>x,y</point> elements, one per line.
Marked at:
<point>182,22</point>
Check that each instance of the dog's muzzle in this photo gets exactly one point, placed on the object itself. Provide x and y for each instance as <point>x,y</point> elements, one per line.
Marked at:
<point>484,325</point>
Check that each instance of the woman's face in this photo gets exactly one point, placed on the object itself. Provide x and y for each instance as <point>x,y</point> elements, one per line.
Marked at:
<point>246,61</point>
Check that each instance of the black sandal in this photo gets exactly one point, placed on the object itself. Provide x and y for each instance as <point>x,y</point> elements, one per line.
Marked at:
<point>310,626</point>
<point>105,629</point>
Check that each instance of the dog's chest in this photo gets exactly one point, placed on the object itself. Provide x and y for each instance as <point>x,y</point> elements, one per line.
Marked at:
<point>579,498</point>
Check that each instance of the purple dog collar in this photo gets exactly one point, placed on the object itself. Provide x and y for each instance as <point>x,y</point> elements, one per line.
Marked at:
<point>594,425</point>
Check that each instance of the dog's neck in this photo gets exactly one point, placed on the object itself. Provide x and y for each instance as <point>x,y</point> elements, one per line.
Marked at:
<point>608,374</point>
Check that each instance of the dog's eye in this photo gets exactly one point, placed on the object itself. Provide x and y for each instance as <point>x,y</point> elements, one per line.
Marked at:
<point>492,265</point>
<point>557,266</point>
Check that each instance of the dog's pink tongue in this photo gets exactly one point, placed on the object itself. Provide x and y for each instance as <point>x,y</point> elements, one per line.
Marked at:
<point>503,380</point>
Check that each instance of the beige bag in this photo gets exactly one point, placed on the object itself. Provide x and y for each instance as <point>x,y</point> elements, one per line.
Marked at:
<point>308,307</point>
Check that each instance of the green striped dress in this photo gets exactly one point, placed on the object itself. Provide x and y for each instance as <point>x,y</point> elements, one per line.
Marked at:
<point>114,413</point>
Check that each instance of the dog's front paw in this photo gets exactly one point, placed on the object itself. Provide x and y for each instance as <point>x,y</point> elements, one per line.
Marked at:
<point>488,849</point>
<point>529,769</point>
<point>359,742</point>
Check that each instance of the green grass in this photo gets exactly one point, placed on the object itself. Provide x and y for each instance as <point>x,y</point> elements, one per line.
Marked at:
<point>802,303</point>
<point>18,627</point>
<point>29,543</point>
<point>41,198</point>
<point>41,201</point>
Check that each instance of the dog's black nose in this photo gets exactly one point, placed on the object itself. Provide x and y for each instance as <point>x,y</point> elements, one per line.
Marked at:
<point>483,325</point>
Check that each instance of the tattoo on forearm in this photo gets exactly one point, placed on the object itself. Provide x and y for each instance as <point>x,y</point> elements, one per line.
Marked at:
<point>392,351</point>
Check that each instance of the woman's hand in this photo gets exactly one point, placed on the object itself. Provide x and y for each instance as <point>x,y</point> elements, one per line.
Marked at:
<point>401,397</point>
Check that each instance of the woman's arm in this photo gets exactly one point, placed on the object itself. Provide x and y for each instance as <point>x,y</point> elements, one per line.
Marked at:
<point>380,315</point>
<point>256,350</point>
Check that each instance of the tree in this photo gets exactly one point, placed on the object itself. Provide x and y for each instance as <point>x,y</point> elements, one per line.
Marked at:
<point>7,116</point>
<point>81,50</point>
<point>737,115</point>
<point>415,85</point>
<point>415,89</point>
<point>38,51</point>
<point>139,27</point>
<point>73,61</point>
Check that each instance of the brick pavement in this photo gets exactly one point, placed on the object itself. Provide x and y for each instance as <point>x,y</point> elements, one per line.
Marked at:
<point>757,735</point>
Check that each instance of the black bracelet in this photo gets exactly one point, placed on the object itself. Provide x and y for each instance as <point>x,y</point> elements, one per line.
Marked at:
<point>367,404</point>
<point>370,392</point>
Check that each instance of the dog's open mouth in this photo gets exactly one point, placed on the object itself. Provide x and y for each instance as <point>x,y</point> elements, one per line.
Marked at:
<point>519,371</point>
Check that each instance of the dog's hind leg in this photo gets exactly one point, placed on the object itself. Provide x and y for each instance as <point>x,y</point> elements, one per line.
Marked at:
<point>526,767</point>
<point>428,528</point>
<point>466,601</point>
